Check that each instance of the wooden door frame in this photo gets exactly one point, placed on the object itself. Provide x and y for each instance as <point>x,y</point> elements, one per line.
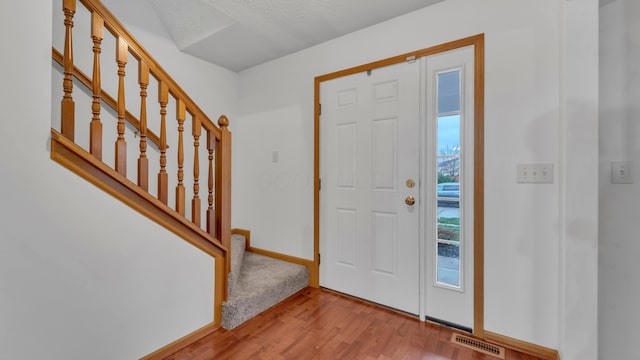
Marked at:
<point>477,41</point>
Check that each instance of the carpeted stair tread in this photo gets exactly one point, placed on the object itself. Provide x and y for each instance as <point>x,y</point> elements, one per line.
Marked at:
<point>263,282</point>
<point>238,246</point>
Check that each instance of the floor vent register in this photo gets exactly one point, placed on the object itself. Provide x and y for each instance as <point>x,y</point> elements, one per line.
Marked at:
<point>478,345</point>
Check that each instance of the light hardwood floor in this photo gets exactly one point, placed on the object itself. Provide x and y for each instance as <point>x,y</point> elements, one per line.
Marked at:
<point>320,324</point>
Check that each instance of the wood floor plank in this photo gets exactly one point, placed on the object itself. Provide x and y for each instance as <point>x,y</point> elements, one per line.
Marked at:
<point>320,324</point>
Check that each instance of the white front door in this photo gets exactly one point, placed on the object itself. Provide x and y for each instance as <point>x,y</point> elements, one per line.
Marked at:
<point>369,156</point>
<point>395,134</point>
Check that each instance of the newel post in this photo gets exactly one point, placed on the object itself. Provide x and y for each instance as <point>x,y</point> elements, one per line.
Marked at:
<point>211,217</point>
<point>223,187</point>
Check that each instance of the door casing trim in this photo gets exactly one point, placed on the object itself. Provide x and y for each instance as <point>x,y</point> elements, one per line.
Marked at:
<point>477,41</point>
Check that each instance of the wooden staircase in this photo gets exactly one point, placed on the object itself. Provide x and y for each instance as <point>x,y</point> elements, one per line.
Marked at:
<point>149,152</point>
<point>149,155</point>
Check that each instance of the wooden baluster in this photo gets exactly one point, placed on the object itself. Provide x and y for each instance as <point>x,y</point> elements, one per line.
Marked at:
<point>122,51</point>
<point>195,203</point>
<point>163,177</point>
<point>95,137</point>
<point>67,113</point>
<point>211,223</point>
<point>223,186</point>
<point>180,191</point>
<point>143,162</point>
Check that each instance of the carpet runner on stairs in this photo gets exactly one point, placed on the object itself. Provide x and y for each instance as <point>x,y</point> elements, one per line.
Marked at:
<point>258,282</point>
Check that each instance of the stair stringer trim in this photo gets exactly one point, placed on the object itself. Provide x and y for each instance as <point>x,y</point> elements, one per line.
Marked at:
<point>85,165</point>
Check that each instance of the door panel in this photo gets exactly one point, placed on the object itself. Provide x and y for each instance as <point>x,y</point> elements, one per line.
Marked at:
<point>385,137</point>
<point>385,231</point>
<point>369,147</point>
<point>346,137</point>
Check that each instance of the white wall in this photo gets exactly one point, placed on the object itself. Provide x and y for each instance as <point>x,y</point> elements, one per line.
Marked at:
<point>619,293</point>
<point>211,87</point>
<point>579,182</point>
<point>82,276</point>
<point>524,105</point>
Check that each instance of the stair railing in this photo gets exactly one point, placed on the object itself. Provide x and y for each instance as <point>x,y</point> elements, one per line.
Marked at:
<point>211,235</point>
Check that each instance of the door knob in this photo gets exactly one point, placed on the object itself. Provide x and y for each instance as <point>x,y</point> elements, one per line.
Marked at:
<point>410,200</point>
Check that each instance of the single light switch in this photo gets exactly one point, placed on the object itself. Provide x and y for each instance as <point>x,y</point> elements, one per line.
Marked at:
<point>621,172</point>
<point>523,173</point>
<point>544,173</point>
<point>274,156</point>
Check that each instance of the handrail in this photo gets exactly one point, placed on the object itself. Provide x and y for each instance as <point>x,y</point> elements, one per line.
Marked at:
<point>212,234</point>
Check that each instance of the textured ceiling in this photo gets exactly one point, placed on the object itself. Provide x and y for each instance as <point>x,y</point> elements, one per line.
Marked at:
<point>238,34</point>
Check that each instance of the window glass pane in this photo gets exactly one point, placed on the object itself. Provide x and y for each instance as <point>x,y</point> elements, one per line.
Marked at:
<point>448,172</point>
<point>449,225</point>
<point>449,135</point>
<point>449,92</point>
<point>448,264</point>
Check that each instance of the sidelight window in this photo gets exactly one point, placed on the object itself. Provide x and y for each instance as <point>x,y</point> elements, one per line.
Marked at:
<point>449,242</point>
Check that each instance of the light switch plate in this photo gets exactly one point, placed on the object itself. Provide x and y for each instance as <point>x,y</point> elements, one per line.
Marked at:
<point>534,173</point>
<point>621,172</point>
